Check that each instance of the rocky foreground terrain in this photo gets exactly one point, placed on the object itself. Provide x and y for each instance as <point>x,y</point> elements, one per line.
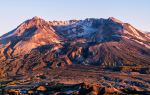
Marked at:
<point>80,80</point>
<point>103,52</point>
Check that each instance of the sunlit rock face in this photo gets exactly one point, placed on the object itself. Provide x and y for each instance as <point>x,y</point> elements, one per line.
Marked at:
<point>38,44</point>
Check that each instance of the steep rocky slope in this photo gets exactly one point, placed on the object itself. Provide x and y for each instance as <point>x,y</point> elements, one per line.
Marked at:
<point>37,44</point>
<point>30,34</point>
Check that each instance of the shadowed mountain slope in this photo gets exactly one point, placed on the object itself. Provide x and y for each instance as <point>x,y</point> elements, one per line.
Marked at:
<point>37,44</point>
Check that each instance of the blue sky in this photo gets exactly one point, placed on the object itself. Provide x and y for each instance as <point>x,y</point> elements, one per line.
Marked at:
<point>14,12</point>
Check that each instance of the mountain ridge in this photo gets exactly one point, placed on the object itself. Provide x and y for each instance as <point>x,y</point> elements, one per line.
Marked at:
<point>37,44</point>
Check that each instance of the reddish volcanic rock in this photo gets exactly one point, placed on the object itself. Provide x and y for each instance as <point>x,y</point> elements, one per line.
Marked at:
<point>38,44</point>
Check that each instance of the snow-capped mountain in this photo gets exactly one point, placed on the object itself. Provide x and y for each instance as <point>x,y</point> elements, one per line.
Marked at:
<point>36,44</point>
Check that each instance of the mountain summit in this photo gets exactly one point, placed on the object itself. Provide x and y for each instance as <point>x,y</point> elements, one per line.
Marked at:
<point>30,34</point>
<point>37,44</point>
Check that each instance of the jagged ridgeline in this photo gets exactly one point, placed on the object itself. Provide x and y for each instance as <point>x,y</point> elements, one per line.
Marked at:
<point>38,44</point>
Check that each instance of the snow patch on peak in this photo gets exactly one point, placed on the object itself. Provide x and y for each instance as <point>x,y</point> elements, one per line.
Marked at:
<point>63,23</point>
<point>36,17</point>
<point>115,20</point>
<point>134,31</point>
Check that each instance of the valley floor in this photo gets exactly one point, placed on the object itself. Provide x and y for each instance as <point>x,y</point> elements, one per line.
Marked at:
<point>78,78</point>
